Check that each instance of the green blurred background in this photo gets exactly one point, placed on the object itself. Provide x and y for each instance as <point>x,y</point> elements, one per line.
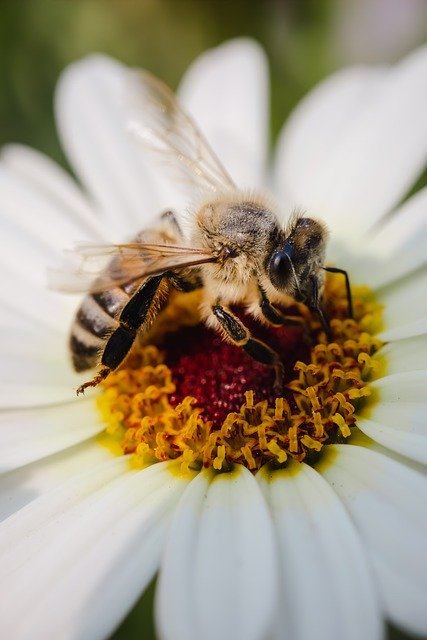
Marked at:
<point>304,40</point>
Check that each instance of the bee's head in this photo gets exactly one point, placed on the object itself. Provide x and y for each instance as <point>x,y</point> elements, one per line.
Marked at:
<point>299,254</point>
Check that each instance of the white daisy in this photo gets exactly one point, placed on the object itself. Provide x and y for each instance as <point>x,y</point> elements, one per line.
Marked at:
<point>330,550</point>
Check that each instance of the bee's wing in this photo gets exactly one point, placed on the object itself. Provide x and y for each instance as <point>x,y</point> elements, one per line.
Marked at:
<point>105,266</point>
<point>157,119</point>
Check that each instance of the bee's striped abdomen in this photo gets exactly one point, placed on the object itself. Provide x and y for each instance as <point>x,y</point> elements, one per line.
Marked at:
<point>94,323</point>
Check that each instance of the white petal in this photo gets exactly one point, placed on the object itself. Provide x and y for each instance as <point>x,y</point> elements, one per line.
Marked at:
<point>405,307</point>
<point>226,91</point>
<point>326,580</point>
<point>404,355</point>
<point>31,434</point>
<point>404,438</point>
<point>395,248</point>
<point>36,225</point>
<point>40,220</point>
<point>90,110</point>
<point>310,134</point>
<point>409,386</point>
<point>35,367</point>
<point>100,551</point>
<point>408,330</point>
<point>47,178</point>
<point>29,302</point>
<point>378,157</point>
<point>21,396</point>
<point>386,502</point>
<point>58,501</point>
<point>218,576</point>
<point>21,486</point>
<point>398,417</point>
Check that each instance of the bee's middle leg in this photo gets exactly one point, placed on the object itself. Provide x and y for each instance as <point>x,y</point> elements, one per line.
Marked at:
<point>240,335</point>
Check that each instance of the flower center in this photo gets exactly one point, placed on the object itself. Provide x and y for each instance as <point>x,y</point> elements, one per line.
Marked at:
<point>186,395</point>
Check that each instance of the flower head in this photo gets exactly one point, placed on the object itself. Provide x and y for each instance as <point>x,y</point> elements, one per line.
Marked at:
<point>262,515</point>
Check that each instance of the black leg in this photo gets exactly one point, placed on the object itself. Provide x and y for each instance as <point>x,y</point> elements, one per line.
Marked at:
<point>133,316</point>
<point>347,286</point>
<point>275,316</point>
<point>135,312</point>
<point>185,281</point>
<point>138,315</point>
<point>315,305</point>
<point>236,331</point>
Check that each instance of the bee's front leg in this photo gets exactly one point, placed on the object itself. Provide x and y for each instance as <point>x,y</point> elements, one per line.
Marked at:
<point>235,331</point>
<point>274,316</point>
<point>347,287</point>
<point>315,305</point>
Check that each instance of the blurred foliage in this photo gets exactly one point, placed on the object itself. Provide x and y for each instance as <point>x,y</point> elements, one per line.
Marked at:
<point>303,40</point>
<point>38,38</point>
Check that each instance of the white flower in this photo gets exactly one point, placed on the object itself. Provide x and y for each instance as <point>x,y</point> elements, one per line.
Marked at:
<point>325,552</point>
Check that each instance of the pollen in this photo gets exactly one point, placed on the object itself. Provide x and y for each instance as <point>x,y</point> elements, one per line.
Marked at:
<point>204,403</point>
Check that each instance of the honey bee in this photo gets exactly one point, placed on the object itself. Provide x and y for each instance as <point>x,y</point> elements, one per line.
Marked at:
<point>235,250</point>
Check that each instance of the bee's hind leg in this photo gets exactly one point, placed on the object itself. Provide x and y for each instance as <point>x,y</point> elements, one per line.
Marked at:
<point>94,382</point>
<point>136,316</point>
<point>236,332</point>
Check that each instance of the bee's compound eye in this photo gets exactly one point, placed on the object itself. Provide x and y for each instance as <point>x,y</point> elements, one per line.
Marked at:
<point>280,265</point>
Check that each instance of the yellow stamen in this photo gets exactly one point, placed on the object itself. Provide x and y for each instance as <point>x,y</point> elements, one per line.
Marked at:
<point>325,391</point>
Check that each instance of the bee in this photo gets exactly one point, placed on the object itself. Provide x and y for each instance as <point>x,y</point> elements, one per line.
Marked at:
<point>235,249</point>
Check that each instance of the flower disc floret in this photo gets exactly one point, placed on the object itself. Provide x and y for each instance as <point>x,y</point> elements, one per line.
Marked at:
<point>142,408</point>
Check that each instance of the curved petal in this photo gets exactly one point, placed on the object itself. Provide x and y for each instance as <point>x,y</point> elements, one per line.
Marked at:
<point>405,307</point>
<point>408,386</point>
<point>46,178</point>
<point>377,157</point>
<point>25,484</point>
<point>395,248</point>
<point>403,355</point>
<point>34,320</point>
<point>326,580</point>
<point>30,434</point>
<point>386,502</point>
<point>100,549</point>
<point>309,136</point>
<point>92,121</point>
<point>417,327</point>
<point>398,417</point>
<point>404,438</point>
<point>28,306</point>
<point>38,221</point>
<point>36,366</point>
<point>226,91</point>
<point>218,576</point>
